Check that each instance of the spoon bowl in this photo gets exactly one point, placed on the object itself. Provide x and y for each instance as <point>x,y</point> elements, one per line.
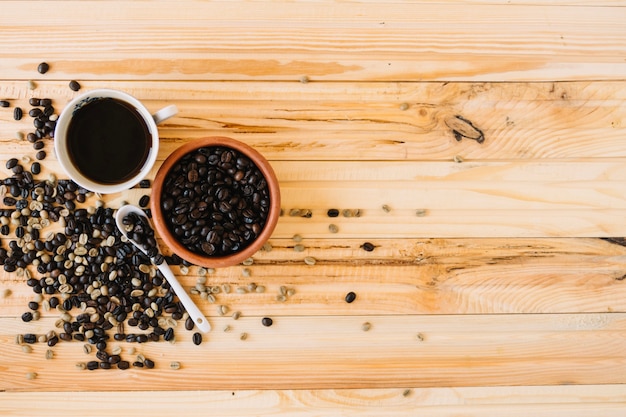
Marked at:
<point>194,312</point>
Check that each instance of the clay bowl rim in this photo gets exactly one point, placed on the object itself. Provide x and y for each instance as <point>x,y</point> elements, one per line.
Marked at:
<point>270,223</point>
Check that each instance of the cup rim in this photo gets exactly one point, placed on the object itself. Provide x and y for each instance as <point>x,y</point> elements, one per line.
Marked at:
<point>60,141</point>
<point>272,216</point>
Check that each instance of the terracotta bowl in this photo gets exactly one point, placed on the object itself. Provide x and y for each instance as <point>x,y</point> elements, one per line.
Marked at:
<point>171,240</point>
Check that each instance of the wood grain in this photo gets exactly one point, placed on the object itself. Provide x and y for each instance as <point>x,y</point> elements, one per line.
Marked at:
<point>411,276</point>
<point>574,401</point>
<point>366,121</point>
<point>504,296</point>
<point>331,351</point>
<point>348,41</point>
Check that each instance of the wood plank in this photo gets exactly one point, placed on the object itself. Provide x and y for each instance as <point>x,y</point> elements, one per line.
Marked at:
<point>349,41</point>
<point>541,401</point>
<point>431,276</point>
<point>334,351</point>
<point>366,121</point>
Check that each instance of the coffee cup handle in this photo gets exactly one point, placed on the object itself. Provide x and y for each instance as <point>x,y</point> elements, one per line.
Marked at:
<point>165,113</point>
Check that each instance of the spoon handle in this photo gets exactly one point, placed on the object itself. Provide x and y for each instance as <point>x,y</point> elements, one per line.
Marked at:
<point>194,312</point>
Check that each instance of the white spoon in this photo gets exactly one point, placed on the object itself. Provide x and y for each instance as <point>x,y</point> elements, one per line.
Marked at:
<point>194,312</point>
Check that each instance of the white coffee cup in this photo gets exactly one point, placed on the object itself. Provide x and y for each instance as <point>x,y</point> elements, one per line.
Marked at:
<point>150,121</point>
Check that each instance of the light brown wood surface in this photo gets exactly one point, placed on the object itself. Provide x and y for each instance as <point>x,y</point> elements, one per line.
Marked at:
<point>497,282</point>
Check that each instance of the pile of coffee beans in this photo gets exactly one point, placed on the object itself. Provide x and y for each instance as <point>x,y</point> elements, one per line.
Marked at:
<point>215,201</point>
<point>98,282</point>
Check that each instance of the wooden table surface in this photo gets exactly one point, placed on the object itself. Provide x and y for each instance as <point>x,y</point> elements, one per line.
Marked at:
<point>482,144</point>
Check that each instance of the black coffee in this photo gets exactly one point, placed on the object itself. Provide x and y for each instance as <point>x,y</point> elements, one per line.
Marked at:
<point>108,141</point>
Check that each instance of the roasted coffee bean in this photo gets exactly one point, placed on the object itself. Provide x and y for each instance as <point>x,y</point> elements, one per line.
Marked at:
<point>144,183</point>
<point>267,322</point>
<point>123,365</point>
<point>40,155</point>
<point>38,145</point>
<point>26,317</point>
<point>45,102</point>
<point>30,338</point>
<point>332,213</point>
<point>32,138</point>
<point>74,85</point>
<point>4,103</point>
<point>53,341</point>
<point>169,334</point>
<point>350,297</point>
<point>18,113</point>
<point>197,338</point>
<point>148,363</point>
<point>92,365</point>
<point>35,168</point>
<point>33,305</point>
<point>189,324</point>
<point>33,101</point>
<point>34,112</point>
<point>144,200</point>
<point>43,68</point>
<point>11,163</point>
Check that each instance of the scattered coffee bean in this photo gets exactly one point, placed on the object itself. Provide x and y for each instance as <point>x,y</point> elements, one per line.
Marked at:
<point>43,68</point>
<point>38,145</point>
<point>332,228</point>
<point>366,326</point>
<point>32,85</point>
<point>421,212</point>
<point>40,155</point>
<point>31,375</point>
<point>26,317</point>
<point>49,354</point>
<point>243,336</point>
<point>168,335</point>
<point>34,112</point>
<point>30,338</point>
<point>197,338</point>
<point>148,363</point>
<point>189,324</point>
<point>93,365</point>
<point>175,365</point>
<point>144,183</point>
<point>406,392</point>
<point>18,113</point>
<point>35,168</point>
<point>144,200</point>
<point>11,163</point>
<point>350,297</point>
<point>267,322</point>
<point>386,208</point>
<point>4,103</point>
<point>332,213</point>
<point>74,85</point>
<point>309,260</point>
